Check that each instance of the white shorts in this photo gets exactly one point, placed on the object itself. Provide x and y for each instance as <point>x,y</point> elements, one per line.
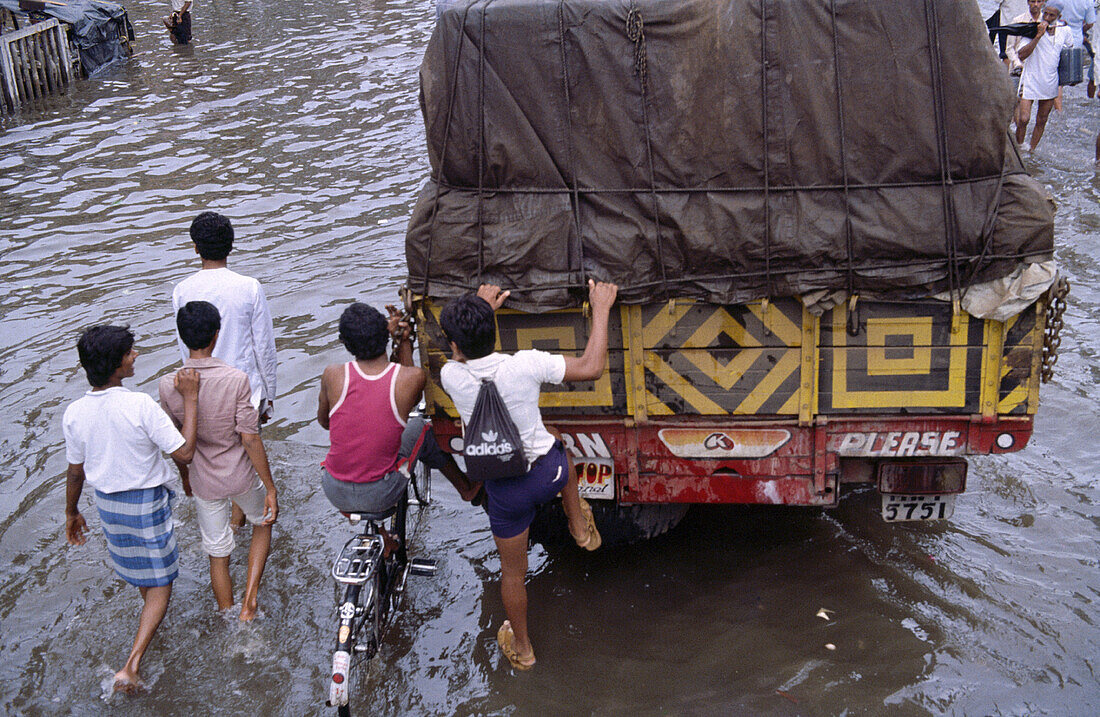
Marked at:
<point>217,537</point>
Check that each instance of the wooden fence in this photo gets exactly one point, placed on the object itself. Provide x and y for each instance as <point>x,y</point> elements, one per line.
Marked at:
<point>34,62</point>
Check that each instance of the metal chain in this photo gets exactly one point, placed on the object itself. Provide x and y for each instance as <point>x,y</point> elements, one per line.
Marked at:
<point>1051,333</point>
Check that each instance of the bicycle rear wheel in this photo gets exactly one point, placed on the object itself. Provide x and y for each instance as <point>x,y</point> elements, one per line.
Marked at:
<point>358,639</point>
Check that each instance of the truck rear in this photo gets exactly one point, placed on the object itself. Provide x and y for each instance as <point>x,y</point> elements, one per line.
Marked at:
<point>816,289</point>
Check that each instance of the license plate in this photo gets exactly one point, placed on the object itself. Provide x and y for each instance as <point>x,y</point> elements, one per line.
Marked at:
<point>595,477</point>
<point>898,508</point>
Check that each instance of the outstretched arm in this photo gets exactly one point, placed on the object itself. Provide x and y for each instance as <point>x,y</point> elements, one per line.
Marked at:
<point>329,378</point>
<point>1026,50</point>
<point>589,366</point>
<point>401,333</point>
<point>254,447</point>
<point>263,342</point>
<point>493,294</point>
<point>187,383</point>
<point>74,521</point>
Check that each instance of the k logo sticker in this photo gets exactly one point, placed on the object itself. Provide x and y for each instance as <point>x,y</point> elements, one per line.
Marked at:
<point>719,442</point>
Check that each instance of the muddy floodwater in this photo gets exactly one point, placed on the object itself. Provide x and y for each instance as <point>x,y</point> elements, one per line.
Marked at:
<point>300,121</point>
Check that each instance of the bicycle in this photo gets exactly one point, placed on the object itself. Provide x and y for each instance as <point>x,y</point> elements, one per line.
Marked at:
<point>373,584</point>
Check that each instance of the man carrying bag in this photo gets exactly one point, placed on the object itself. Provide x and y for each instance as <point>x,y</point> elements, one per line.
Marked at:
<point>475,374</point>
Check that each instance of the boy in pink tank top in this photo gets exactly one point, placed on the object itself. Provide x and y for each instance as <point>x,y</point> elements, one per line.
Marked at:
<point>365,405</point>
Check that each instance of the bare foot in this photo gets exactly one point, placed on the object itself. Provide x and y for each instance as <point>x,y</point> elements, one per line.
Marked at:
<point>248,611</point>
<point>127,682</point>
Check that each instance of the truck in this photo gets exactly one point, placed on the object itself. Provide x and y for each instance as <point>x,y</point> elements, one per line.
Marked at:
<point>834,268</point>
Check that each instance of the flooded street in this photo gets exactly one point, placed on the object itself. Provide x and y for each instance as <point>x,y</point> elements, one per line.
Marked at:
<point>300,121</point>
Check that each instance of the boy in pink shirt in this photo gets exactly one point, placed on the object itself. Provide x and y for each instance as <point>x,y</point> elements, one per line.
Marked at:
<point>230,465</point>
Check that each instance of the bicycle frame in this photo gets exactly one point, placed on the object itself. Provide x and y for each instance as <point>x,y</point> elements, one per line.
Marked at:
<point>373,584</point>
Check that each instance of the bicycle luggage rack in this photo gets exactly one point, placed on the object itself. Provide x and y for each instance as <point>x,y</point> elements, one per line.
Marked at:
<point>359,560</point>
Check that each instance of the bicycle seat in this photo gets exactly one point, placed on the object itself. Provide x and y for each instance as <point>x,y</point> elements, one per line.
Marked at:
<point>373,517</point>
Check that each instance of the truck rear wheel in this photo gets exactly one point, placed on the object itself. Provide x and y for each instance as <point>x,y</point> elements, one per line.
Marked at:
<point>618,524</point>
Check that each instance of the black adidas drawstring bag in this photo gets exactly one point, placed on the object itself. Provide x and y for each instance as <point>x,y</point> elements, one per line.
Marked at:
<point>492,445</point>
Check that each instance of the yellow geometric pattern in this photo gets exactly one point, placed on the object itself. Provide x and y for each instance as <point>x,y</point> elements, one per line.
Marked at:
<point>710,352</point>
<point>687,357</point>
<point>918,328</point>
<point>845,396</point>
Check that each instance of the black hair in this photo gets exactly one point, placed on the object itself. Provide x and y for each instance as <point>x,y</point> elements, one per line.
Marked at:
<point>213,236</point>
<point>364,331</point>
<point>469,322</point>
<point>102,349</point>
<point>198,322</point>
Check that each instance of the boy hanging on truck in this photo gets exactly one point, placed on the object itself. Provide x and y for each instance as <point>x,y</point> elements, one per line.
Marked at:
<point>470,326</point>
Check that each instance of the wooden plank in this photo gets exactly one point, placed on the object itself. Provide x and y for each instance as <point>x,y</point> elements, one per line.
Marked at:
<point>26,92</point>
<point>61,38</point>
<point>635,367</point>
<point>7,74</point>
<point>808,383</point>
<point>991,368</point>
<point>38,69</point>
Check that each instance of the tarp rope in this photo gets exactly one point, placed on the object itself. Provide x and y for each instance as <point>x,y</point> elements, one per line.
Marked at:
<point>843,154</point>
<point>576,197</point>
<point>745,189</point>
<point>950,239</point>
<point>481,144</point>
<point>443,152</point>
<point>924,264</point>
<point>635,32</point>
<point>767,151</point>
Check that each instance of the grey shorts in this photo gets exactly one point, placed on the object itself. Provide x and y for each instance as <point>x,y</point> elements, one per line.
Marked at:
<point>382,494</point>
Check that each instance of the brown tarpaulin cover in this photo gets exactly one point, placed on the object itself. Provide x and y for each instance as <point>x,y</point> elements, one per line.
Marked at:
<point>724,150</point>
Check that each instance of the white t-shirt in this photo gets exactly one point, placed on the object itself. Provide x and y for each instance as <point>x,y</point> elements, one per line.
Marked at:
<point>1039,79</point>
<point>519,380</point>
<point>118,435</point>
<point>1076,15</point>
<point>247,338</point>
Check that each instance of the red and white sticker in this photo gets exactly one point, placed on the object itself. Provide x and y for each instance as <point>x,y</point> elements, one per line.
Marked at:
<point>730,443</point>
<point>595,477</point>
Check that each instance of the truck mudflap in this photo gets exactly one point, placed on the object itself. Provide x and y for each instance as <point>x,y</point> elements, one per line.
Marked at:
<point>777,462</point>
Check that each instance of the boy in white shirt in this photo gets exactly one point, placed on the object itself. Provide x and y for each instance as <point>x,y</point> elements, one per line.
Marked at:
<point>247,338</point>
<point>113,439</point>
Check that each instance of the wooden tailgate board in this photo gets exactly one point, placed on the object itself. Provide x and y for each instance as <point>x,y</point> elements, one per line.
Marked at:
<point>693,358</point>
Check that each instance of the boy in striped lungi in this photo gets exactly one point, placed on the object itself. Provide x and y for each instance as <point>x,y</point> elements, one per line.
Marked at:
<point>113,440</point>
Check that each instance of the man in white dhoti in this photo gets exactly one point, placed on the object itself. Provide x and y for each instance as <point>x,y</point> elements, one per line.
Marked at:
<point>1039,79</point>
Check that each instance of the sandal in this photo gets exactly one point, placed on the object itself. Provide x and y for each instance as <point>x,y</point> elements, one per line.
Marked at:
<point>592,539</point>
<point>506,639</point>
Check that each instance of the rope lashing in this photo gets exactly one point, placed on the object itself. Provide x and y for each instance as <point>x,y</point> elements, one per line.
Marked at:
<point>635,32</point>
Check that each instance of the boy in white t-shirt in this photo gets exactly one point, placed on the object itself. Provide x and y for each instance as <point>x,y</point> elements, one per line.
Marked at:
<point>113,439</point>
<point>470,326</point>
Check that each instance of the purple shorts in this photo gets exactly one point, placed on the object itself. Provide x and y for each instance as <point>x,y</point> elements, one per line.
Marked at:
<point>513,501</point>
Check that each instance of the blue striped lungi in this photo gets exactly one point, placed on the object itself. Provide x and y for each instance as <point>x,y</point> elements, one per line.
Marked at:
<point>138,527</point>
